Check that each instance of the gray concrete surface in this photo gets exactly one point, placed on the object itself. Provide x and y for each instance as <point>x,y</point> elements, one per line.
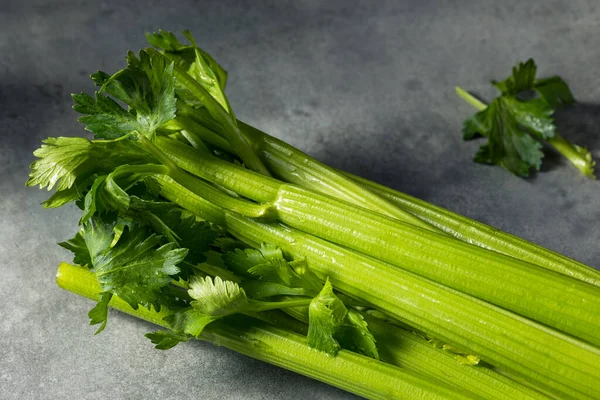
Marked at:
<point>365,86</point>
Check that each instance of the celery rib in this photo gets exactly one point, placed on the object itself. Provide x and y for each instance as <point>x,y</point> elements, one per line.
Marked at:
<point>349,371</point>
<point>317,176</point>
<point>301,169</point>
<point>482,235</point>
<point>463,228</point>
<point>405,349</point>
<point>553,299</point>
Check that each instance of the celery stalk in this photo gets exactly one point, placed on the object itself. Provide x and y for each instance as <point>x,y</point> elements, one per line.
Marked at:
<point>349,371</point>
<point>482,235</point>
<point>525,348</point>
<point>405,349</point>
<point>294,166</point>
<point>532,291</point>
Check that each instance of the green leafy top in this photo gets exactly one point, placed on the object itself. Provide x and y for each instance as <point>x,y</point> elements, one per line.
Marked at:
<point>199,84</point>
<point>65,162</point>
<point>554,90</point>
<point>147,86</point>
<point>146,250</point>
<point>515,126</point>
<point>331,325</point>
<point>128,192</point>
<point>196,62</point>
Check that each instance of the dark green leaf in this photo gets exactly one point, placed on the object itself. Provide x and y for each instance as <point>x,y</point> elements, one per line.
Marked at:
<point>199,65</point>
<point>534,115</point>
<point>240,261</point>
<point>332,326</point>
<point>94,201</point>
<point>186,55</point>
<point>136,268</point>
<point>195,321</point>
<point>109,192</point>
<point>164,340</point>
<point>522,79</point>
<point>178,227</point>
<point>99,78</point>
<point>99,314</point>
<point>164,40</point>
<point>354,335</point>
<point>484,155</point>
<point>81,254</point>
<point>98,235</point>
<point>197,236</point>
<point>103,116</point>
<point>554,91</point>
<point>146,86</point>
<point>509,144</point>
<point>269,265</point>
<point>73,194</point>
<point>476,125</point>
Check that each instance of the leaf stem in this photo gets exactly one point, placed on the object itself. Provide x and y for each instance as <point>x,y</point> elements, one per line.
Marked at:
<point>202,208</point>
<point>194,140</point>
<point>578,156</point>
<point>151,148</point>
<point>294,166</point>
<point>274,305</point>
<point>183,122</point>
<point>469,98</point>
<point>215,196</point>
<point>264,189</point>
<point>208,269</point>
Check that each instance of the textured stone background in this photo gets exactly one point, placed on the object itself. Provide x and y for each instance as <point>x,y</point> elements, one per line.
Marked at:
<point>365,86</point>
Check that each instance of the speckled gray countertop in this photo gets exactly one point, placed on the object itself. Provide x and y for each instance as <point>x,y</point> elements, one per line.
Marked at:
<point>364,86</point>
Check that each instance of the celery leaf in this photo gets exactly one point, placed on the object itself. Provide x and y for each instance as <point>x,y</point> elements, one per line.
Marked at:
<point>516,125</point>
<point>326,314</point>
<point>164,340</point>
<point>137,267</point>
<point>269,265</point>
<point>332,326</point>
<point>63,161</point>
<point>147,86</point>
